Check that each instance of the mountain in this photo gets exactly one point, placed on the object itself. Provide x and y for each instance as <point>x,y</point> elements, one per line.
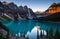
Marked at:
<point>52,17</point>
<point>55,7</point>
<point>26,12</point>
<point>15,12</point>
<point>23,11</point>
<point>9,10</point>
<point>53,13</point>
<point>2,11</point>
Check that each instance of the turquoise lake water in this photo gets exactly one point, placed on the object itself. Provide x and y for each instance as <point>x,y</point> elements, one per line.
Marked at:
<point>26,25</point>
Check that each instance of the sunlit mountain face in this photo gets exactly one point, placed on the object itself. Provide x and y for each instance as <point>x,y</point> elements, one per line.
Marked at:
<point>55,7</point>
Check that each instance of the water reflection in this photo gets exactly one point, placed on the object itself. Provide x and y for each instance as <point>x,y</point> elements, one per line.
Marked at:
<point>26,25</point>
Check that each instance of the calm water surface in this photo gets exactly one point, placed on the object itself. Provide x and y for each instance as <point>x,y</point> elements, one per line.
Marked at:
<point>27,25</point>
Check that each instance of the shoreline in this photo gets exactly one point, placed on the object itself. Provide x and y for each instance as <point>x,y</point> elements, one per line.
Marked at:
<point>49,21</point>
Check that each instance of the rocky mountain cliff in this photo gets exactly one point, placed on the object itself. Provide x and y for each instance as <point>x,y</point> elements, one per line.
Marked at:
<point>55,7</point>
<point>15,12</point>
<point>53,13</point>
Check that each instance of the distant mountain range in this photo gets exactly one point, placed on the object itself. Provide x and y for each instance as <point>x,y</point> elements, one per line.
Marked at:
<point>10,11</point>
<point>13,11</point>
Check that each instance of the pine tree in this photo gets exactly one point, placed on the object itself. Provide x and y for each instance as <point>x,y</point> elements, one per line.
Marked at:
<point>0,31</point>
<point>0,35</point>
<point>8,36</point>
<point>16,37</point>
<point>27,37</point>
<point>57,36</point>
<point>1,24</point>
<point>24,35</point>
<point>51,33</point>
<point>47,34</point>
<point>37,34</point>
<point>41,36</point>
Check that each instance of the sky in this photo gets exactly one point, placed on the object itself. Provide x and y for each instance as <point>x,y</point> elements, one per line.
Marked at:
<point>35,5</point>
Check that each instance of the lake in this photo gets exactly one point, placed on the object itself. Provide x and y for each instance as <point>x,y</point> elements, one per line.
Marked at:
<point>26,25</point>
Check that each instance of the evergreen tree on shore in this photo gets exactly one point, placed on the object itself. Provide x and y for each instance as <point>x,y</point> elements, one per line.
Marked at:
<point>0,35</point>
<point>41,34</point>
<point>8,36</point>
<point>51,33</point>
<point>57,34</point>
<point>38,37</point>
<point>47,34</point>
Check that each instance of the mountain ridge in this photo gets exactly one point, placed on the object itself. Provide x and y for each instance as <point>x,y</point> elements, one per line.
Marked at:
<point>53,8</point>
<point>13,10</point>
<point>24,12</point>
